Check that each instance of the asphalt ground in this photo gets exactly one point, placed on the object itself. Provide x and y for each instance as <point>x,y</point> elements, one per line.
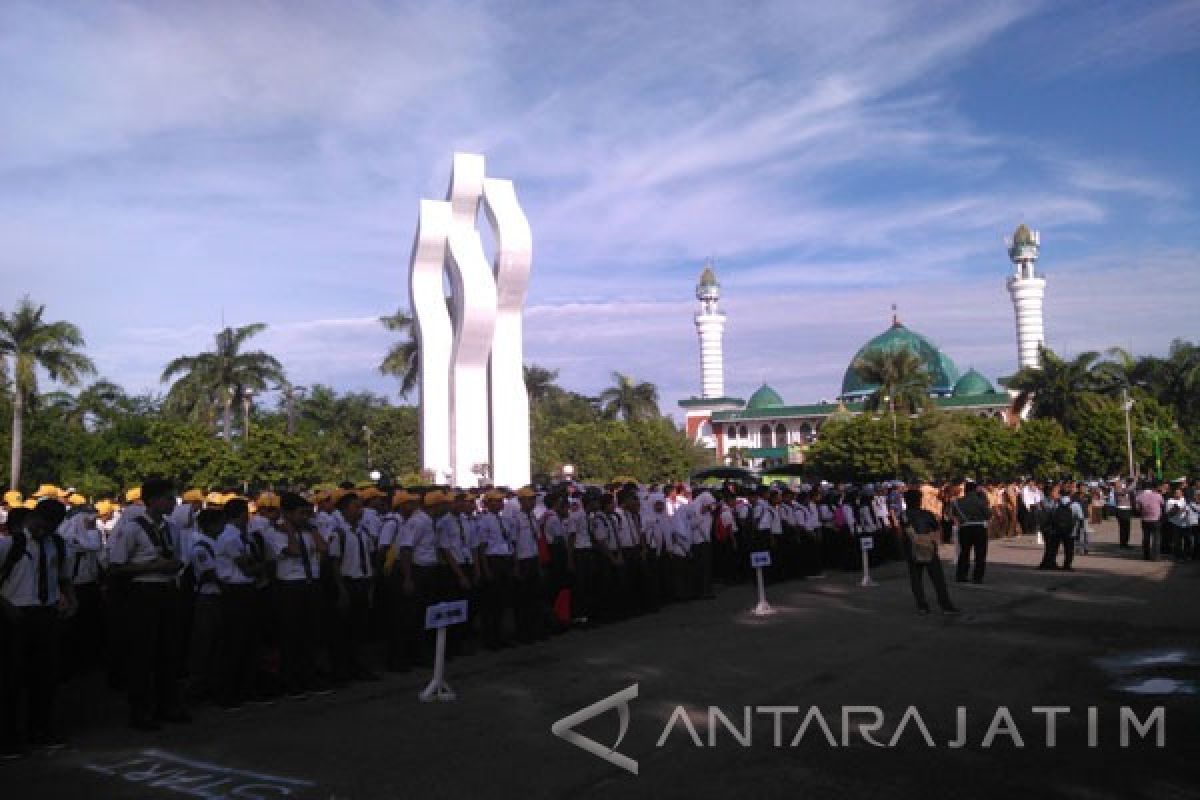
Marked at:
<point>1025,639</point>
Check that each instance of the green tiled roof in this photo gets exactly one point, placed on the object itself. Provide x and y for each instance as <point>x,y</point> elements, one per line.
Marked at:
<point>989,400</point>
<point>941,369</point>
<point>695,402</point>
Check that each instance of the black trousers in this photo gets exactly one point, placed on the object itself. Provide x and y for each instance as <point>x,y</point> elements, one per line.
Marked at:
<point>239,642</point>
<point>528,600</point>
<point>972,539</point>
<point>350,639</point>
<point>85,631</point>
<point>703,553</point>
<point>1124,523</point>
<point>1055,541</point>
<point>1151,539</point>
<point>916,572</point>
<point>403,632</point>
<point>583,584</point>
<point>153,649</point>
<point>497,597</point>
<point>29,670</point>
<point>297,614</point>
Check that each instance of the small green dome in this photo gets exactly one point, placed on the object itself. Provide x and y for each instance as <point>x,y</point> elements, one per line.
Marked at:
<point>1022,236</point>
<point>708,277</point>
<point>973,384</point>
<point>765,397</point>
<point>941,369</point>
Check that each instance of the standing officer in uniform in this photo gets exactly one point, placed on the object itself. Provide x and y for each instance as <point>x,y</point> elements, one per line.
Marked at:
<point>145,552</point>
<point>419,561</point>
<point>527,568</point>
<point>453,581</point>
<point>241,563</point>
<point>297,549</point>
<point>972,512</point>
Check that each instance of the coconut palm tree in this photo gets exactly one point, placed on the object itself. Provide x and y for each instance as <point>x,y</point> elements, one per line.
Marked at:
<point>539,383</point>
<point>93,406</point>
<point>401,358</point>
<point>629,400</point>
<point>34,343</point>
<point>900,377</point>
<point>224,375</point>
<point>1175,379</point>
<point>1059,388</point>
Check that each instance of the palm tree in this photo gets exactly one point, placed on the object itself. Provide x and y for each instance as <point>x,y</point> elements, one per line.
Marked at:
<point>900,377</point>
<point>1057,387</point>
<point>34,343</point>
<point>629,400</point>
<point>401,360</point>
<point>95,405</point>
<point>223,375</point>
<point>539,383</point>
<point>1175,380</point>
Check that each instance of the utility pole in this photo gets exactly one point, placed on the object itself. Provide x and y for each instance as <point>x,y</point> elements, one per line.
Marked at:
<point>1127,404</point>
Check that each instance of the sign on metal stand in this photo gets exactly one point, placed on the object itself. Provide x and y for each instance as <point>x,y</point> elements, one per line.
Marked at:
<point>867,543</point>
<point>439,617</point>
<point>759,560</point>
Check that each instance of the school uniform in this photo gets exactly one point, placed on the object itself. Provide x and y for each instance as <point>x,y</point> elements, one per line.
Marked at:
<point>583,579</point>
<point>350,547</point>
<point>151,612</point>
<point>33,576</point>
<point>527,584</point>
<point>239,614</point>
<point>85,630</point>
<point>703,520</point>
<point>496,545</point>
<point>297,603</point>
<point>204,654</point>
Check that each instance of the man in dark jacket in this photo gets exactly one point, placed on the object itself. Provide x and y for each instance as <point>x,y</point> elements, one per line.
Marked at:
<point>971,512</point>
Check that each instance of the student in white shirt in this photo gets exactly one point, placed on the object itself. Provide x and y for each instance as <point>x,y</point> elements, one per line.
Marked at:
<point>350,548</point>
<point>144,553</point>
<point>296,550</point>
<point>242,561</point>
<point>204,657</point>
<point>496,555</point>
<point>37,593</point>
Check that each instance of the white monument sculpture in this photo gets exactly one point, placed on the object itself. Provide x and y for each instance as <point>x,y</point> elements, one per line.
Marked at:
<point>474,405</point>
<point>1027,289</point>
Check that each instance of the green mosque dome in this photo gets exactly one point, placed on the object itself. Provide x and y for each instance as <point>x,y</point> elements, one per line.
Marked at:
<point>973,384</point>
<point>765,397</point>
<point>1022,236</point>
<point>941,369</point>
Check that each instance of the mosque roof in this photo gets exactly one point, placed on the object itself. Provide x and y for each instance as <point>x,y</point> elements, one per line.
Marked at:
<point>973,384</point>
<point>1022,235</point>
<point>708,277</point>
<point>941,369</point>
<point>764,397</point>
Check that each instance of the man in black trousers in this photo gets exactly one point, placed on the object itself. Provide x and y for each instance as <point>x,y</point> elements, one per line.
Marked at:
<point>971,511</point>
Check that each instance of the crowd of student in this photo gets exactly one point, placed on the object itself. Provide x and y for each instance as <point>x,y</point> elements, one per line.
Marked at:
<point>217,598</point>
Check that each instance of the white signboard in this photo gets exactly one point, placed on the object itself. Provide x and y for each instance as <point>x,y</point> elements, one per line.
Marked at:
<point>760,559</point>
<point>868,543</point>
<point>443,615</point>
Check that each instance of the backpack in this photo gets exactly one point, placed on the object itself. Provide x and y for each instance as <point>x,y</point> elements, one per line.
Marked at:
<point>189,581</point>
<point>1062,520</point>
<point>20,544</point>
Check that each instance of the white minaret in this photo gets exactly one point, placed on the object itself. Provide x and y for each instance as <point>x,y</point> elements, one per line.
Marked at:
<point>1027,289</point>
<point>710,324</point>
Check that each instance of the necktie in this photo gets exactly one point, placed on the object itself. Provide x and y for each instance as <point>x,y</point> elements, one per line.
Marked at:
<point>304,559</point>
<point>43,578</point>
<point>462,535</point>
<point>248,548</point>
<point>364,566</point>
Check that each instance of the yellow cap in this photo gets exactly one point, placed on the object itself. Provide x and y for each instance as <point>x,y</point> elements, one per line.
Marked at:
<point>435,497</point>
<point>133,495</point>
<point>46,490</point>
<point>214,500</point>
<point>13,497</point>
<point>526,491</point>
<point>252,507</point>
<point>104,508</point>
<point>494,494</point>
<point>76,500</point>
<point>31,503</point>
<point>267,500</point>
<point>403,497</point>
<point>369,493</point>
<point>225,498</point>
<point>193,496</point>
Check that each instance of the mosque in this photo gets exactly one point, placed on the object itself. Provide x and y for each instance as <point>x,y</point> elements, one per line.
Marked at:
<point>767,431</point>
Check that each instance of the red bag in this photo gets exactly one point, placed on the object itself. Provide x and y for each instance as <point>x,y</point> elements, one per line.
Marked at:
<point>543,548</point>
<point>562,607</point>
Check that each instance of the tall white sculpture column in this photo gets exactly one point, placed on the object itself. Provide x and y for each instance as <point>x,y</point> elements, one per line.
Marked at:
<point>1027,290</point>
<point>509,395</point>
<point>474,405</point>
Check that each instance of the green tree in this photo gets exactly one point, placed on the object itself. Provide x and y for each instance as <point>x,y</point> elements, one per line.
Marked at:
<point>401,360</point>
<point>32,343</point>
<point>225,374</point>
<point>902,380</point>
<point>1059,388</point>
<point>629,400</point>
<point>95,406</point>
<point>861,448</point>
<point>540,383</point>
<point>1046,451</point>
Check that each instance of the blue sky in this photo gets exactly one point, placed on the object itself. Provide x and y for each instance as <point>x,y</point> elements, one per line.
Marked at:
<point>164,166</point>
